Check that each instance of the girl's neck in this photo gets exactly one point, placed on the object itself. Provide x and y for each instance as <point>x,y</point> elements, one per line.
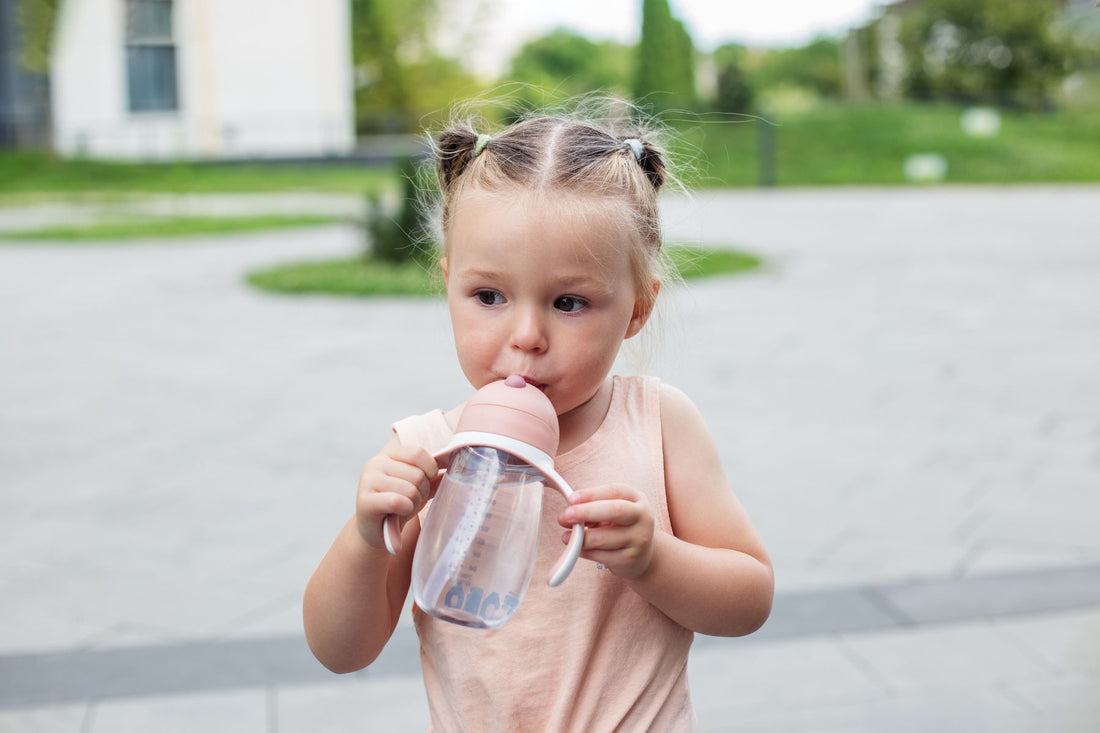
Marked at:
<point>580,423</point>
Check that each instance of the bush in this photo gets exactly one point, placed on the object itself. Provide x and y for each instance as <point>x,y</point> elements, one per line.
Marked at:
<point>985,51</point>
<point>734,93</point>
<point>401,235</point>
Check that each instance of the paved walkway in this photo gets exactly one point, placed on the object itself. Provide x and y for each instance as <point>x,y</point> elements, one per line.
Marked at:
<point>906,399</point>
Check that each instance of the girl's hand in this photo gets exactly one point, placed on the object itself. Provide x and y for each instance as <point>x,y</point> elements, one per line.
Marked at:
<point>397,481</point>
<point>618,529</point>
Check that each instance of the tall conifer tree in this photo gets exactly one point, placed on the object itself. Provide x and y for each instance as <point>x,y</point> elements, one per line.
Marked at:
<point>665,72</point>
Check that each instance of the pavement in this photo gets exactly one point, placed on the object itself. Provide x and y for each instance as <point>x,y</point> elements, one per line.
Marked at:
<point>906,399</point>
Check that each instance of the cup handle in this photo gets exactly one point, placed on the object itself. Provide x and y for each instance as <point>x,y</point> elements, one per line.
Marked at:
<point>391,533</point>
<point>568,558</point>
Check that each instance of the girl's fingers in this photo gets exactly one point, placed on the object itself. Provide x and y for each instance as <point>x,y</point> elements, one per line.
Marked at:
<point>606,538</point>
<point>613,511</point>
<point>385,473</point>
<point>395,485</point>
<point>380,504</point>
<point>402,472</point>
<point>615,549</point>
<point>600,493</point>
<point>415,457</point>
<point>380,495</point>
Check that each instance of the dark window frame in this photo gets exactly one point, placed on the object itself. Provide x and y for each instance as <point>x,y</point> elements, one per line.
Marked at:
<point>151,70</point>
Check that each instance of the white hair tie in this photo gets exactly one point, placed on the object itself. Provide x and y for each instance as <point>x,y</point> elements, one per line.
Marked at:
<point>635,146</point>
<point>482,141</point>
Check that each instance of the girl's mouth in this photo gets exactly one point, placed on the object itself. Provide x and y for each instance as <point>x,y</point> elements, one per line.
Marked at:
<point>536,385</point>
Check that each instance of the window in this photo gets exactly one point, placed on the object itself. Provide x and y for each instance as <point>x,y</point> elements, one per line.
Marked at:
<point>150,56</point>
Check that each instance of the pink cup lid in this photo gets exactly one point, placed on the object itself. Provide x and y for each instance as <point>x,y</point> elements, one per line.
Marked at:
<point>513,409</point>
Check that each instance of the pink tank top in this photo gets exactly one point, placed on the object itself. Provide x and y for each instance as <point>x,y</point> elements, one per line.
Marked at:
<point>589,655</point>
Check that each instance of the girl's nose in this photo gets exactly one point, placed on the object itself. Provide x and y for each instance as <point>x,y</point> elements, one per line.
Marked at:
<point>528,333</point>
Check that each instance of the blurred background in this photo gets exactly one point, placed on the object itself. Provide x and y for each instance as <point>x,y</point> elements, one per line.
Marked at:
<point>855,92</point>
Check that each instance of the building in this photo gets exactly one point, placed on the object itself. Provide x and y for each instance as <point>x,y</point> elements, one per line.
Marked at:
<point>202,79</point>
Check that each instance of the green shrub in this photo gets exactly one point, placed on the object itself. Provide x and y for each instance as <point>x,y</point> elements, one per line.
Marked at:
<point>401,235</point>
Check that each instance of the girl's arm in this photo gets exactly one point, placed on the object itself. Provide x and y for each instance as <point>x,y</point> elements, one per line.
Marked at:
<point>356,595</point>
<point>713,574</point>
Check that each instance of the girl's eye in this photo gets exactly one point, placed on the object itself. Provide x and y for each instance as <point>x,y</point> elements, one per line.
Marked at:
<point>489,297</point>
<point>569,304</point>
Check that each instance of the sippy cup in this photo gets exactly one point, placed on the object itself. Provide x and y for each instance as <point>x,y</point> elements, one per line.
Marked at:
<point>476,552</point>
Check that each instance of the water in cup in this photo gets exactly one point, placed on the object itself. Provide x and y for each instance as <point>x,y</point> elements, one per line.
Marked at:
<point>476,550</point>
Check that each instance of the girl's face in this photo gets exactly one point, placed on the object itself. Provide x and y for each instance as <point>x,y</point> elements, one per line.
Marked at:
<point>540,285</point>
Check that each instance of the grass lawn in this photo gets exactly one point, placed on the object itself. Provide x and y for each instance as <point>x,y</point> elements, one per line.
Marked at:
<point>829,143</point>
<point>39,173</point>
<point>165,227</point>
<point>362,277</point>
<point>836,144</point>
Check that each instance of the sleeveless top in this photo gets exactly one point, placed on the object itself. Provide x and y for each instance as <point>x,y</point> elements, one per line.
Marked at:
<point>589,655</point>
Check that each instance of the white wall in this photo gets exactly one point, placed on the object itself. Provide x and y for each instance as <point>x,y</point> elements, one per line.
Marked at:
<point>255,78</point>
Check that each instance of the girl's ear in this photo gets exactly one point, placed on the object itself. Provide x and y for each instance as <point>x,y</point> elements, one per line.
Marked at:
<point>643,309</point>
<point>444,267</point>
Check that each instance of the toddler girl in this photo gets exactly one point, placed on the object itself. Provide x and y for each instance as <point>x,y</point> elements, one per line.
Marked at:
<point>552,259</point>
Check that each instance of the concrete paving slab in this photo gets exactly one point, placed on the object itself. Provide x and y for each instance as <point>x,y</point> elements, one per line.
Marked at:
<point>729,681</point>
<point>35,213</point>
<point>944,657</point>
<point>950,711</point>
<point>906,683</point>
<point>245,711</point>
<point>53,719</point>
<point>1073,701</point>
<point>905,394</point>
<point>390,705</point>
<point>1068,642</point>
<point>149,671</point>
<point>996,595</point>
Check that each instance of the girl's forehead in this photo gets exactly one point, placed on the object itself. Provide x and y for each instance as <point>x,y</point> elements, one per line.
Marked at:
<point>554,228</point>
<point>516,206</point>
<point>530,197</point>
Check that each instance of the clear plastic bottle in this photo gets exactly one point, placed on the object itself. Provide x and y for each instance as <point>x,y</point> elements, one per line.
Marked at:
<point>476,552</point>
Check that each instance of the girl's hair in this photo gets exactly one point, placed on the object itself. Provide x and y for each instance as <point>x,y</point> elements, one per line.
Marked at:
<point>562,154</point>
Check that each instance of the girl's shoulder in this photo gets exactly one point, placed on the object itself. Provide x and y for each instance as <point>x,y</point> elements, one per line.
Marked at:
<point>650,395</point>
<point>683,428</point>
<point>675,403</point>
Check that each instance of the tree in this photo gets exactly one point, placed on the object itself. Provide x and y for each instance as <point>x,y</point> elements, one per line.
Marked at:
<point>992,51</point>
<point>815,67</point>
<point>36,24</point>
<point>399,75</point>
<point>563,64</point>
<point>734,93</point>
<point>665,71</point>
<point>25,122</point>
<point>568,61</point>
